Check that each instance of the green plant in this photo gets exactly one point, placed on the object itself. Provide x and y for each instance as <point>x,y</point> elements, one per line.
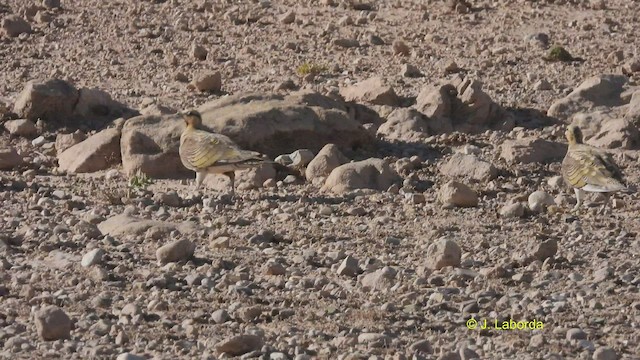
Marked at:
<point>140,181</point>
<point>558,53</point>
<point>311,68</point>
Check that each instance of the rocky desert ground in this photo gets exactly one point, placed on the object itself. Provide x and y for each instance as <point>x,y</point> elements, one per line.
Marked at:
<point>415,195</point>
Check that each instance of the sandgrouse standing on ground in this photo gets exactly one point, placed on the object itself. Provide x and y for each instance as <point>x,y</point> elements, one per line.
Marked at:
<point>587,168</point>
<point>208,153</point>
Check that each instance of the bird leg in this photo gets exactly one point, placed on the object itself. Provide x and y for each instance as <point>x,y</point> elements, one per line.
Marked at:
<point>579,197</point>
<point>605,204</point>
<point>232,177</point>
<point>199,179</point>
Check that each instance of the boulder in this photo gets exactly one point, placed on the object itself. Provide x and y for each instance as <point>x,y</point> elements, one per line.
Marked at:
<point>21,127</point>
<point>60,101</point>
<point>348,267</point>
<point>52,323</point>
<point>346,43</point>
<point>606,108</point>
<point>95,102</point>
<point>604,129</point>
<point>240,344</point>
<point>98,152</point>
<point>272,124</point>
<point>532,150</point>
<point>410,71</point>
<point>461,105</point>
<point>372,90</point>
<point>297,159</point>
<point>405,124</point>
<point>175,251</point>
<point>9,158</point>
<point>51,4</point>
<point>515,210</point>
<point>456,194</point>
<point>150,143</point>
<point>380,279</point>
<point>633,109</point>
<point>461,165</point>
<point>52,100</point>
<point>65,141</point>
<point>14,25</point>
<point>322,164</point>
<point>443,252</point>
<point>208,82</point>
<point>435,100</point>
<point>596,91</point>
<point>372,173</point>
<point>539,201</point>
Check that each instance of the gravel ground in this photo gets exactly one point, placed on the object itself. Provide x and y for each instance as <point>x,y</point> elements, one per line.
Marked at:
<point>93,268</point>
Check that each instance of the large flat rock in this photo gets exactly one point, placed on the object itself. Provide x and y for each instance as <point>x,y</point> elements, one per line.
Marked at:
<point>269,123</point>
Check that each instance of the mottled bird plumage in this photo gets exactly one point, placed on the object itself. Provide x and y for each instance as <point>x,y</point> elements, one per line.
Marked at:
<point>205,152</point>
<point>587,168</point>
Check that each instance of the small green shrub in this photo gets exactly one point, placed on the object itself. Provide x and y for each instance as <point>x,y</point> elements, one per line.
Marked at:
<point>311,68</point>
<point>140,181</point>
<point>558,53</point>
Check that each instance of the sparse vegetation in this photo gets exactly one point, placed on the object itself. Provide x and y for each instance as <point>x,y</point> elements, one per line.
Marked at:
<point>140,181</point>
<point>120,196</point>
<point>311,68</point>
<point>558,53</point>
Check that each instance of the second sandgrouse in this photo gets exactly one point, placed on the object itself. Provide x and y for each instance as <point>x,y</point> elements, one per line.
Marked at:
<point>208,153</point>
<point>587,168</point>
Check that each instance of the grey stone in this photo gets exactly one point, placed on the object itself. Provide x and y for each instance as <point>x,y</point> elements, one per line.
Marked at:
<point>512,210</point>
<point>9,158</point>
<point>179,250</point>
<point>14,25</point>
<point>423,346</point>
<point>52,100</point>
<point>605,353</point>
<point>532,150</point>
<point>21,127</point>
<point>349,267</point>
<point>443,252</point>
<point>240,344</point>
<point>405,124</point>
<point>208,81</point>
<point>461,165</point>
<point>456,194</point>
<point>93,257</point>
<point>380,279</point>
<point>327,159</point>
<point>461,105</point>
<point>52,323</point>
<point>98,152</point>
<point>372,173</point>
<point>576,334</point>
<point>372,90</point>
<point>539,200</point>
<point>220,316</point>
<point>600,90</point>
